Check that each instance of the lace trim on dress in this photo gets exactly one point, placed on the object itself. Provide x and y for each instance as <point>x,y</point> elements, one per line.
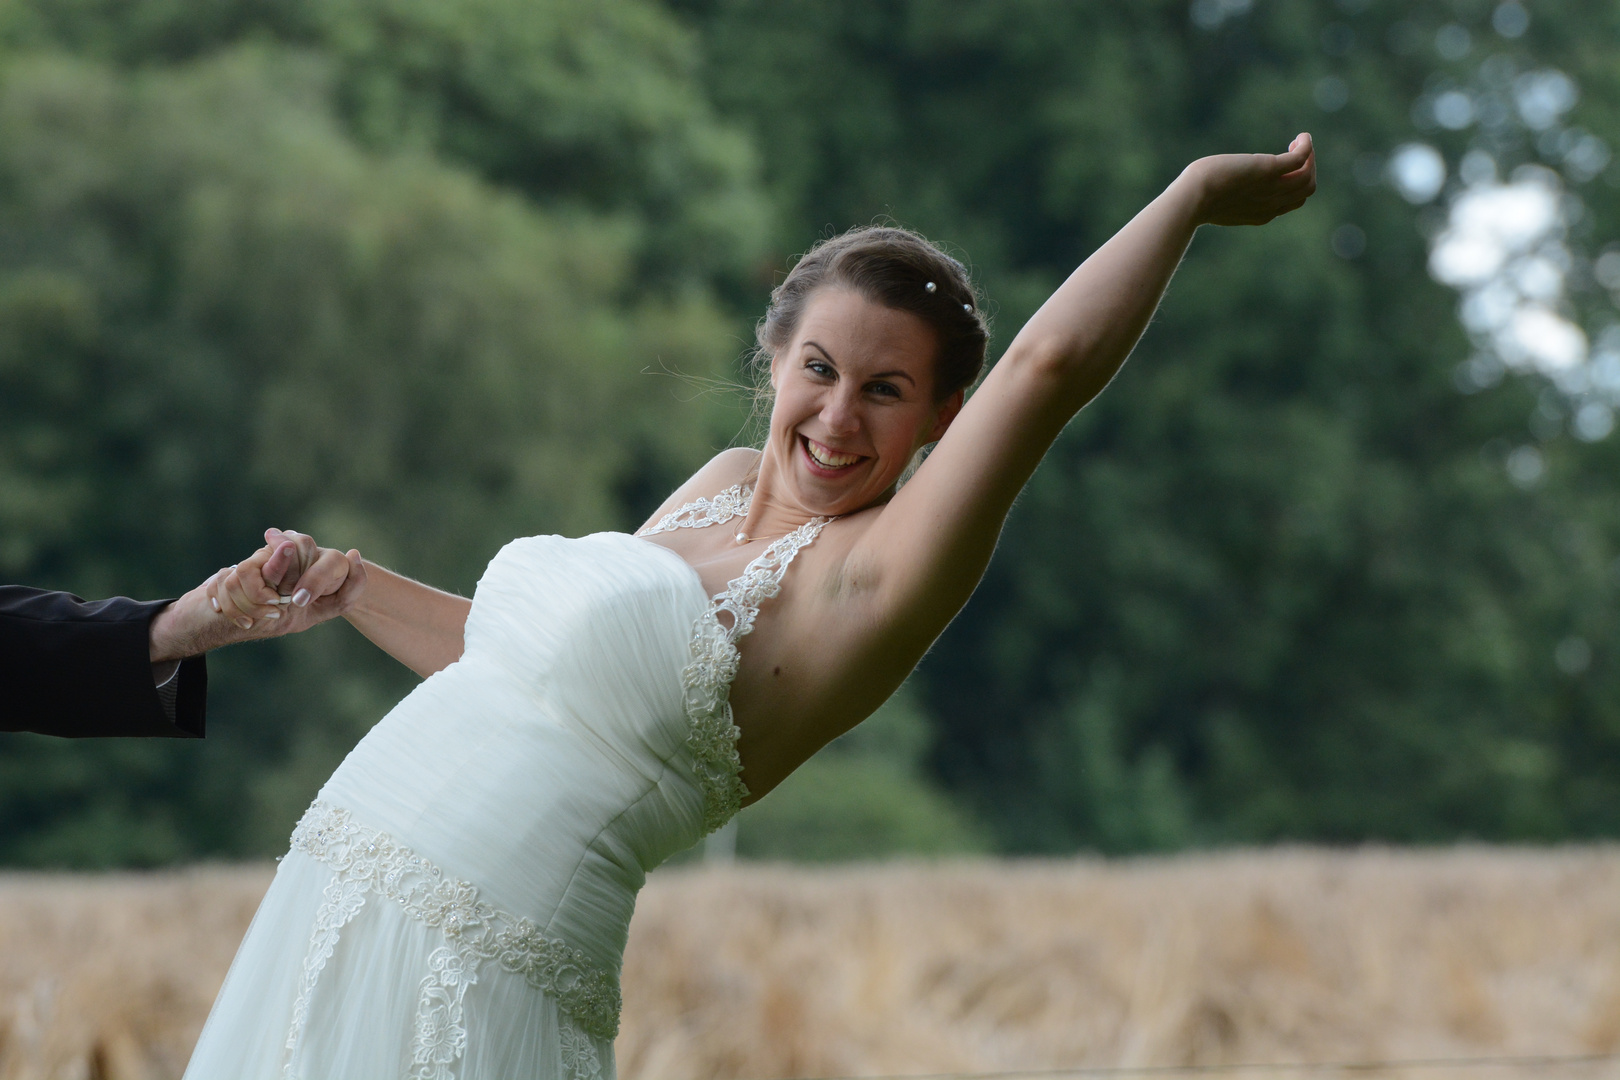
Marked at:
<point>730,503</point>
<point>366,860</point>
<point>343,899</point>
<point>706,680</point>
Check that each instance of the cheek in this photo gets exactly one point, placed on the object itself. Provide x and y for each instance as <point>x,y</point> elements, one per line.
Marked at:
<point>789,407</point>
<point>896,436</point>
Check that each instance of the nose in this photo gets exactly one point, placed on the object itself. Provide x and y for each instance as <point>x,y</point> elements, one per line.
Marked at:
<point>838,412</point>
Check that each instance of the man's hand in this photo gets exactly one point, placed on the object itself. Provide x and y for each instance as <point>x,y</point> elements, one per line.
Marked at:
<point>286,586</point>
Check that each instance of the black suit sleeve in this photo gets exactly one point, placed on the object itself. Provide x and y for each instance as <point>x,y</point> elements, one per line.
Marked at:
<point>78,669</point>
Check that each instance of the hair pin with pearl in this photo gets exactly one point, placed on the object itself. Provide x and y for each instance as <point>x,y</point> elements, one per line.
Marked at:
<point>968,308</point>
<point>931,287</point>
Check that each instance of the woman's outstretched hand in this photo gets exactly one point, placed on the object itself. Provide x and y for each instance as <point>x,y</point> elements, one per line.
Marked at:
<point>286,586</point>
<point>1252,189</point>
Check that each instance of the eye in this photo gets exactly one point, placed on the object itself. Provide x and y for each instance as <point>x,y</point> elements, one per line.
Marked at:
<point>819,367</point>
<point>883,389</point>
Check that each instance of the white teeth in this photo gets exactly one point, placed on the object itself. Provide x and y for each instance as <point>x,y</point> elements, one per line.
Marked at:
<point>829,459</point>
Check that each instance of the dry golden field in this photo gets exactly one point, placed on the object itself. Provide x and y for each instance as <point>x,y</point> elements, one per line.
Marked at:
<point>756,971</point>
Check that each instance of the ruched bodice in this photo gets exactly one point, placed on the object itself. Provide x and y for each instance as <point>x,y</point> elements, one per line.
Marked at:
<point>549,764</point>
<point>463,883</point>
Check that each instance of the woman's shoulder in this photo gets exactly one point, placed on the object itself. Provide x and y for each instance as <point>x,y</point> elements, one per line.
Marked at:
<point>738,463</point>
<point>726,469</point>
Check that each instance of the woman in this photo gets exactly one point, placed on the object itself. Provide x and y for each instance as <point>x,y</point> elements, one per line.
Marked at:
<point>455,902</point>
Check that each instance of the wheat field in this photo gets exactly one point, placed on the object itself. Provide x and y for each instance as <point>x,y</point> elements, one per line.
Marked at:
<point>1283,956</point>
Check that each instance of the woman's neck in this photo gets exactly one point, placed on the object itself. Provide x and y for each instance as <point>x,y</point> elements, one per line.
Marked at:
<point>772,511</point>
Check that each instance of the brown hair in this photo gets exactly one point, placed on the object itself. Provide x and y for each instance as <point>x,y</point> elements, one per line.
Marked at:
<point>893,267</point>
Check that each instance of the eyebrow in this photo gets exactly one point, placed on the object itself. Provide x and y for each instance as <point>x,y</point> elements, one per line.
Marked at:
<point>879,375</point>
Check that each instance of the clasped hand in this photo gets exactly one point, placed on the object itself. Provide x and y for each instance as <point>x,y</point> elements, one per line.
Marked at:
<point>286,586</point>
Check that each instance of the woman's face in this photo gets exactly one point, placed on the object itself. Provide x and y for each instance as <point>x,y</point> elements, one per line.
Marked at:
<point>854,401</point>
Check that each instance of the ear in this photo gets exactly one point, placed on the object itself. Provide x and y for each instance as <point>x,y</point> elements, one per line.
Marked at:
<point>947,412</point>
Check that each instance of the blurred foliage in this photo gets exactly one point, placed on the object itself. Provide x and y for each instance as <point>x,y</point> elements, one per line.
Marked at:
<point>391,271</point>
<point>569,102</point>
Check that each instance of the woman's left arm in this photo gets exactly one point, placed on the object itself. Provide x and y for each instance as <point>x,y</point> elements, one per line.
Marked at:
<point>928,548</point>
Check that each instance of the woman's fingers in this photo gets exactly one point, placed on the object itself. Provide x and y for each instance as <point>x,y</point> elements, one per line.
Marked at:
<point>1305,174</point>
<point>1296,184</point>
<point>325,577</point>
<point>306,550</point>
<point>1305,177</point>
<point>1298,154</point>
<point>1300,180</point>
<point>283,561</point>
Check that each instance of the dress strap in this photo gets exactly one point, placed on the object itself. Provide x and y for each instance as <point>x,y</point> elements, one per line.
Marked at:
<point>761,579</point>
<point>706,681</point>
<point>701,513</point>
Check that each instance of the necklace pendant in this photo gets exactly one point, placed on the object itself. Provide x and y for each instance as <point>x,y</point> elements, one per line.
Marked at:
<point>742,538</point>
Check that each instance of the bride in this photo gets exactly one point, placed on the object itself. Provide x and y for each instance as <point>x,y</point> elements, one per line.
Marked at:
<point>456,900</point>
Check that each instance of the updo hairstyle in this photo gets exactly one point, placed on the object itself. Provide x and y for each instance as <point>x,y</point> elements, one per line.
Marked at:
<point>892,267</point>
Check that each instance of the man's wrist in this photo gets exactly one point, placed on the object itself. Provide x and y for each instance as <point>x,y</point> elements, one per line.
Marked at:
<point>175,634</point>
<point>164,636</point>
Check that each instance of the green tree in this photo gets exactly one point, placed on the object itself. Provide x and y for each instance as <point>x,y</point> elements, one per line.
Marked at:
<point>570,102</point>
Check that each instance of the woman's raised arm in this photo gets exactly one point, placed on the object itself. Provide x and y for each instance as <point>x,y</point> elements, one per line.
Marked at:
<point>930,545</point>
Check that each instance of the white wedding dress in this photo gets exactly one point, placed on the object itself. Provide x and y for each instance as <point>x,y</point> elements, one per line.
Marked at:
<point>455,902</point>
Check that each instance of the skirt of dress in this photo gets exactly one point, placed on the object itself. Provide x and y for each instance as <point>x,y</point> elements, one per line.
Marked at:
<point>365,1001</point>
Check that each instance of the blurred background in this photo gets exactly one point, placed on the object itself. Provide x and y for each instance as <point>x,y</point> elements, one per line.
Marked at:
<point>1333,561</point>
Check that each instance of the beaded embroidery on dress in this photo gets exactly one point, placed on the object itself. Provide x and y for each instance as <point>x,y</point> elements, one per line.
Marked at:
<point>456,901</point>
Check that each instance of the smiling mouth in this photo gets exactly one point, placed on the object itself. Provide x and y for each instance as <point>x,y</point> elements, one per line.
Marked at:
<point>828,459</point>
